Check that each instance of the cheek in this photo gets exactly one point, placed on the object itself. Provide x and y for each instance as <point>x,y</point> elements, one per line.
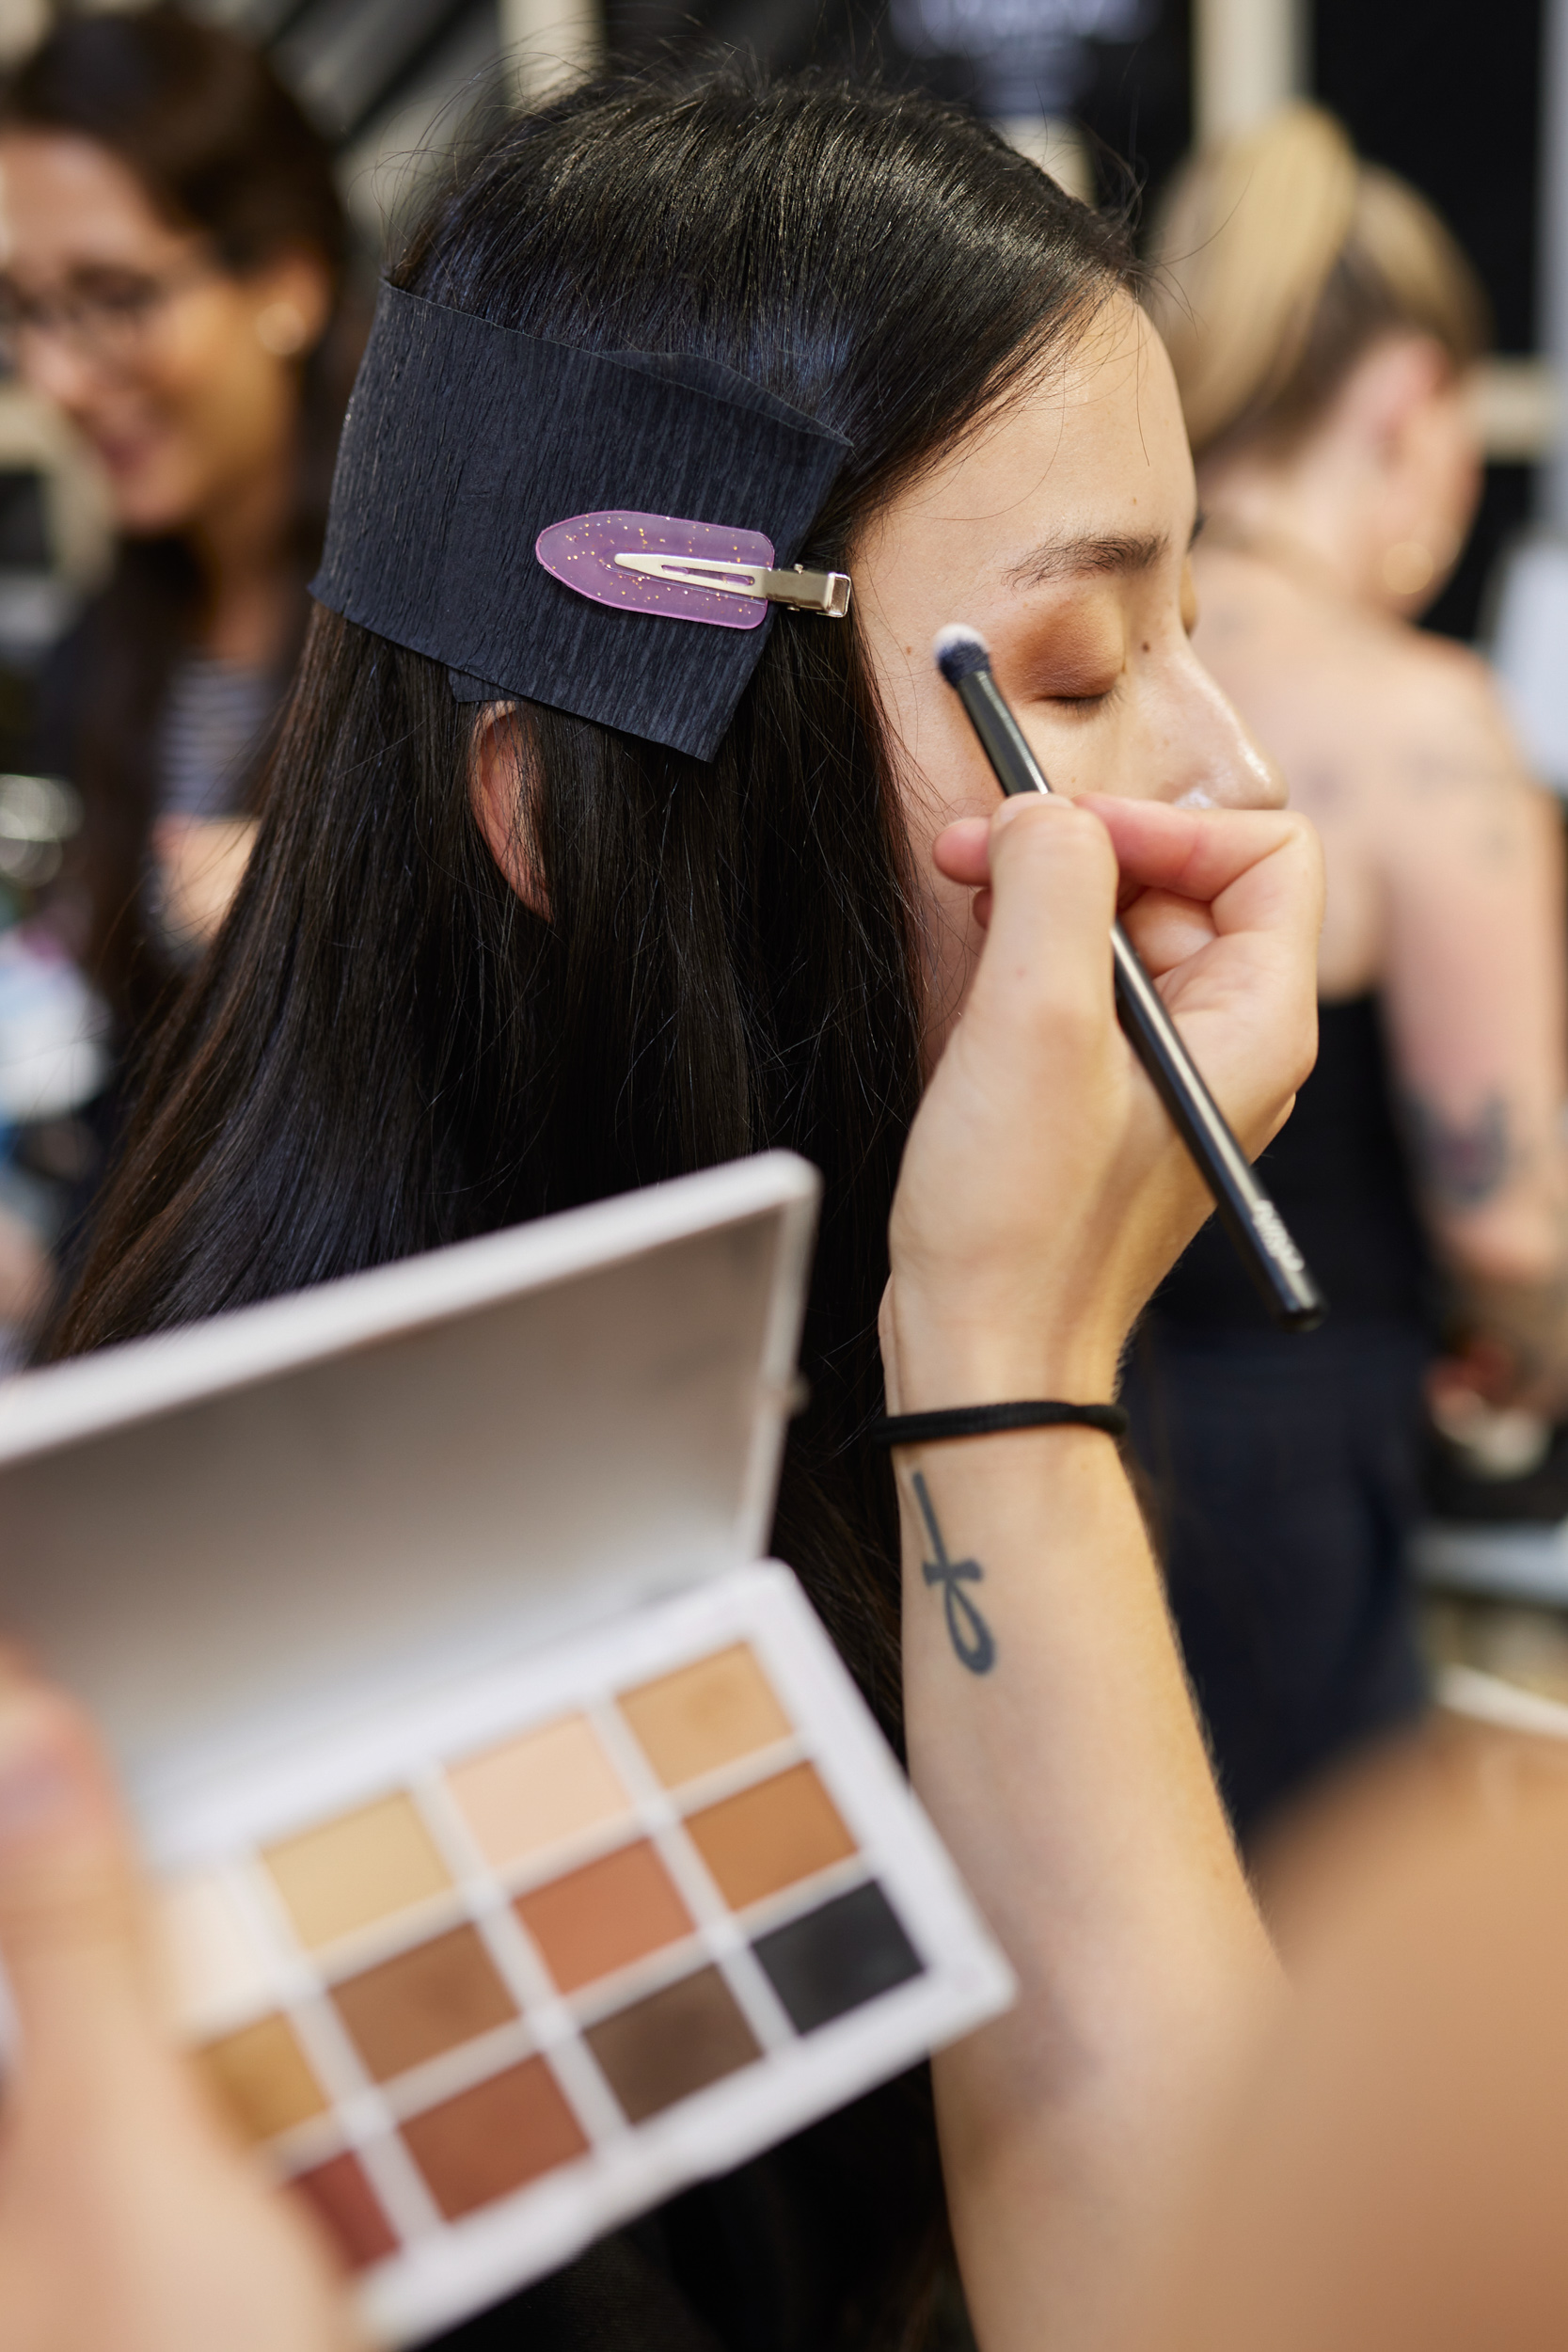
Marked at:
<point>212,386</point>
<point>953,942</point>
<point>949,937</point>
<point>944,777</point>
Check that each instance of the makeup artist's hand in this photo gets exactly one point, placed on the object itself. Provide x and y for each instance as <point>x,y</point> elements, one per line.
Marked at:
<point>1044,1191</point>
<point>129,2220</point>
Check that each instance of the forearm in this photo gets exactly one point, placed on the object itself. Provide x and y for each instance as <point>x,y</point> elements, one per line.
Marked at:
<point>1508,1272</point>
<point>1070,1780</point>
<point>1528,1321</point>
<point>1494,1188</point>
<point>1051,1734</point>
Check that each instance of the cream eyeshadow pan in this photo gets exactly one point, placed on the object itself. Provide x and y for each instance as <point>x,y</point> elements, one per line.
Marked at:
<point>495,1971</point>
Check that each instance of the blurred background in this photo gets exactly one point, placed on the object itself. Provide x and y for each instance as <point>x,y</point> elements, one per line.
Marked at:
<point>1107,93</point>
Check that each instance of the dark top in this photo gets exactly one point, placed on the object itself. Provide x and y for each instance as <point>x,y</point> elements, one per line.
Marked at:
<point>1282,1470</point>
<point>1339,1178</point>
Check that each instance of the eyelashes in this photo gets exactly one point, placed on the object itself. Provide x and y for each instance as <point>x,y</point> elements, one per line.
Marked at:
<point>1087,699</point>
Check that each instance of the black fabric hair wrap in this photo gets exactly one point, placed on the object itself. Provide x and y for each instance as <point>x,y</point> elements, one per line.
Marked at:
<point>465,441</point>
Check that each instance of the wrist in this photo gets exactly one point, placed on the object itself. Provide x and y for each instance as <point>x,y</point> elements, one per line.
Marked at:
<point>934,1357</point>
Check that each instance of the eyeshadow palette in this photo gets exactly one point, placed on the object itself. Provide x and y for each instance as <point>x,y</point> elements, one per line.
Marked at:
<point>525,1851</point>
<point>578,1930</point>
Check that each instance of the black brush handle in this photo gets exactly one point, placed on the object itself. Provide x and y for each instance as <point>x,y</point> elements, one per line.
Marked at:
<point>1259,1234</point>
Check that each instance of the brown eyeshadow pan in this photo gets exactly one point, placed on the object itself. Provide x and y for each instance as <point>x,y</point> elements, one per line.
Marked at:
<point>706,1714</point>
<point>605,1915</point>
<point>351,2209</point>
<point>425,2001</point>
<point>494,2139</point>
<point>672,2043</point>
<point>261,2074</point>
<point>770,1835</point>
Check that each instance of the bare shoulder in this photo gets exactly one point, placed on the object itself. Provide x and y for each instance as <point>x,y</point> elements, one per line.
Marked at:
<point>1439,704</point>
<point>1366,716</point>
<point>1444,780</point>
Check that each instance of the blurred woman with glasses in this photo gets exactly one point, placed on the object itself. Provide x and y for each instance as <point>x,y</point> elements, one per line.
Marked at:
<point>173,280</point>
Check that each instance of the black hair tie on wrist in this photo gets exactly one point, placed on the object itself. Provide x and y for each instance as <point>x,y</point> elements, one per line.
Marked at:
<point>981,1421</point>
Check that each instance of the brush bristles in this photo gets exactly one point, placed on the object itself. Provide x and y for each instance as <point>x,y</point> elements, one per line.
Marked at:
<point>959,652</point>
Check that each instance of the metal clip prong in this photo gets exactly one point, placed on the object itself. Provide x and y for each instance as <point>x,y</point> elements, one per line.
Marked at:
<point>827,592</point>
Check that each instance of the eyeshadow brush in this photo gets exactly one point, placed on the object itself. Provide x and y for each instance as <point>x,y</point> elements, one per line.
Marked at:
<point>1256,1230</point>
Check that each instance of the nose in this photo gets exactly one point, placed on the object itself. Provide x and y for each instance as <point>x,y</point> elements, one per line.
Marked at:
<point>52,365</point>
<point>1217,763</point>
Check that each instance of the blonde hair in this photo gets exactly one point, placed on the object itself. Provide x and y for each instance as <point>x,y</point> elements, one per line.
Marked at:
<point>1281,257</point>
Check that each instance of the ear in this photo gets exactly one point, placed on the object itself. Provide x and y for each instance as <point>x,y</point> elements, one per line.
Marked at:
<point>1391,389</point>
<point>501,795</point>
<point>293,293</point>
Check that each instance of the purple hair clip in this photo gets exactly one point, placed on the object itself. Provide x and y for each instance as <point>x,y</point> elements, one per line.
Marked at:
<point>689,571</point>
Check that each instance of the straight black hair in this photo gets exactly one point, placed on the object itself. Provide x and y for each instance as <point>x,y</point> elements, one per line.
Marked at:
<point>387,1049</point>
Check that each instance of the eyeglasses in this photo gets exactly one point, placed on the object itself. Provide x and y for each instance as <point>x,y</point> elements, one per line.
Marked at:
<point>105,318</point>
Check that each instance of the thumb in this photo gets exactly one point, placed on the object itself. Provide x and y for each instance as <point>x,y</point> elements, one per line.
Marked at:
<point>70,1908</point>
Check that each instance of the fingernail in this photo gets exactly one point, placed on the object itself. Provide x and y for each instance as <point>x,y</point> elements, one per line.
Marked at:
<point>37,1787</point>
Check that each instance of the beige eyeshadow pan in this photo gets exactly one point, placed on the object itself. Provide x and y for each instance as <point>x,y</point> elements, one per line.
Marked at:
<point>209,1955</point>
<point>263,2077</point>
<point>706,1714</point>
<point>531,1792</point>
<point>361,1868</point>
<point>770,1835</point>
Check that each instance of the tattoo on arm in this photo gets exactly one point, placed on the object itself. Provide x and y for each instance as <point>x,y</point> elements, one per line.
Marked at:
<point>968,1632</point>
<point>1462,1164</point>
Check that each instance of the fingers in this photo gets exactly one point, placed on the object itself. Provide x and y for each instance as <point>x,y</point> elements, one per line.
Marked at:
<point>1199,856</point>
<point>1251,866</point>
<point>68,1911</point>
<point>1053,881</point>
<point>1167,930</point>
<point>962,851</point>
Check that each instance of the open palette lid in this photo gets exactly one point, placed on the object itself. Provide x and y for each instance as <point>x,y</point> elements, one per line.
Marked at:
<point>217,1536</point>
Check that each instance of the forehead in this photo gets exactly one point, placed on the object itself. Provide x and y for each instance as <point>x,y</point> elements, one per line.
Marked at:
<point>65,198</point>
<point>1094,451</point>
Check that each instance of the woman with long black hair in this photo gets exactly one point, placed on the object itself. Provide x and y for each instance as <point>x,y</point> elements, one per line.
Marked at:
<point>548,902</point>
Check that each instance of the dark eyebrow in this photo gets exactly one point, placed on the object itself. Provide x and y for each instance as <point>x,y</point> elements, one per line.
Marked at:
<point>1067,558</point>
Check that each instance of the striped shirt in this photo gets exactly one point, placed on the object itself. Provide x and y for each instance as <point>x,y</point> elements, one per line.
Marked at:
<point>214,716</point>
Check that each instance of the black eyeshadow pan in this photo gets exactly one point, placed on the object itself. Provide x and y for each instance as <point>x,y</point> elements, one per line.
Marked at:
<point>838,1957</point>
